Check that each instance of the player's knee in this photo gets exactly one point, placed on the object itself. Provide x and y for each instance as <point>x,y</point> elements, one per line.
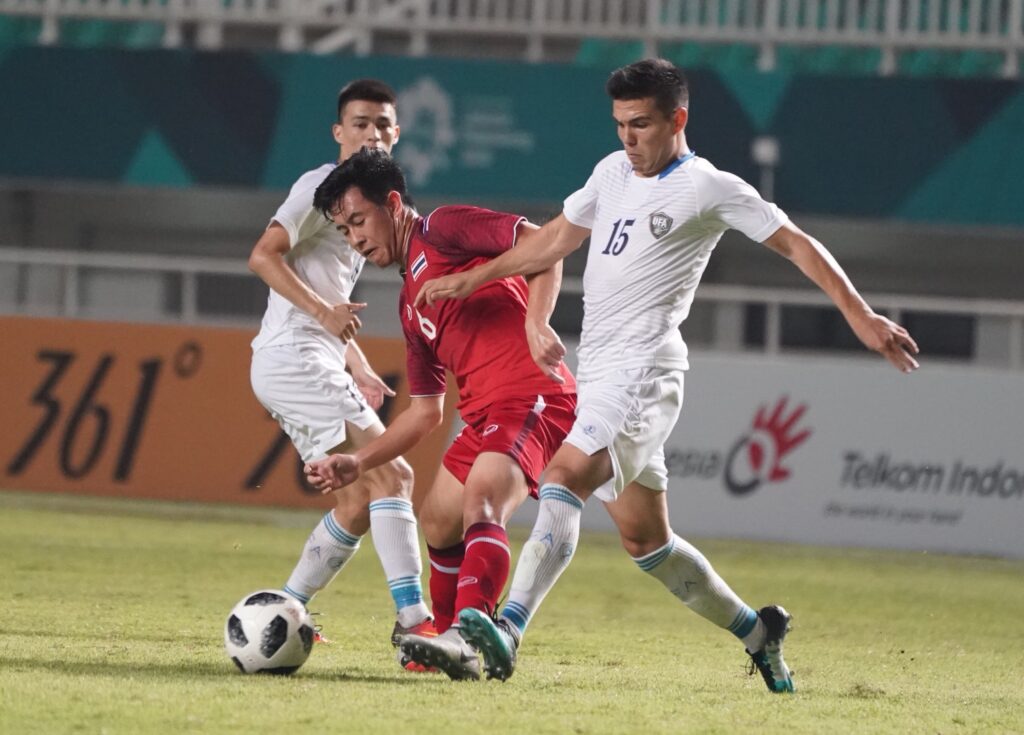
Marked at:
<point>440,529</point>
<point>391,480</point>
<point>352,509</point>
<point>640,540</point>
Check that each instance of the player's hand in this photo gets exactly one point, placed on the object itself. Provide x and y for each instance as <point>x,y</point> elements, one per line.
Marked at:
<point>341,320</point>
<point>371,385</point>
<point>452,286</point>
<point>332,473</point>
<point>546,348</point>
<point>889,339</point>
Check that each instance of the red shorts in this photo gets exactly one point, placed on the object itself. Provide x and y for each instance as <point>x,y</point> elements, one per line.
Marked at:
<point>529,430</point>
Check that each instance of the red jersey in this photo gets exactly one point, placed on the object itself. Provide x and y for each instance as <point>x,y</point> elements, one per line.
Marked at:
<point>482,339</point>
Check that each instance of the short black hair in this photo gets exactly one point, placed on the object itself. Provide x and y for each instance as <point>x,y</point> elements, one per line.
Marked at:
<point>372,170</point>
<point>369,90</point>
<point>657,78</point>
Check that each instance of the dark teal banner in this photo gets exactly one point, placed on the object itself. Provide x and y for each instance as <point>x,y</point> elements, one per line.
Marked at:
<point>910,148</point>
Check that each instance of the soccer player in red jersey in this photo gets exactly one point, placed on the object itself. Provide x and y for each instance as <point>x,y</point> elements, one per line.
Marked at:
<point>515,395</point>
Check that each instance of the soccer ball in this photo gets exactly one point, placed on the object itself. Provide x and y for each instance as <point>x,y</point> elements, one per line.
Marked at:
<point>268,632</point>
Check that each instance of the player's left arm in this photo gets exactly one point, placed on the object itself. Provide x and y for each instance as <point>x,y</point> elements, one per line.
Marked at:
<point>545,346</point>
<point>815,261</point>
<point>370,384</point>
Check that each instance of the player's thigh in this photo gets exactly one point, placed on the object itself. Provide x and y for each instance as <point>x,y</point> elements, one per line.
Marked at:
<point>624,419</point>
<point>495,489</point>
<point>440,511</point>
<point>641,515</point>
<point>578,470</point>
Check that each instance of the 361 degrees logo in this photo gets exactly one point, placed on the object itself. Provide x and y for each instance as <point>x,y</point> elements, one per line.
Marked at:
<point>757,457</point>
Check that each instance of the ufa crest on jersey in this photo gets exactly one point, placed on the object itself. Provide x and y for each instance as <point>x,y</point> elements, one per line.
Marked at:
<point>660,224</point>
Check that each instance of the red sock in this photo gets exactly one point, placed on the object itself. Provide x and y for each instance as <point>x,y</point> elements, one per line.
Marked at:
<point>444,578</point>
<point>485,568</point>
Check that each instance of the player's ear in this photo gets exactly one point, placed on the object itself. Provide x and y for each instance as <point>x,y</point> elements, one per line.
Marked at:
<point>398,134</point>
<point>395,203</point>
<point>679,118</point>
<point>336,132</point>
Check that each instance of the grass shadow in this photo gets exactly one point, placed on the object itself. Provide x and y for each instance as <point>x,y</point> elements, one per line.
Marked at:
<point>200,670</point>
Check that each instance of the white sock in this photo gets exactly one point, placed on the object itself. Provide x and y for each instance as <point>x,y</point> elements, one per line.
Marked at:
<point>545,555</point>
<point>689,576</point>
<point>393,527</point>
<point>327,550</point>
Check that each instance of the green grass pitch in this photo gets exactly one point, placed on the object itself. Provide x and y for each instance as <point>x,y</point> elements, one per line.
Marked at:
<point>113,614</point>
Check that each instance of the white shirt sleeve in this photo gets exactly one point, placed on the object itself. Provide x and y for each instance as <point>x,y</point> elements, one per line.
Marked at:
<point>580,207</point>
<point>297,215</point>
<point>729,200</point>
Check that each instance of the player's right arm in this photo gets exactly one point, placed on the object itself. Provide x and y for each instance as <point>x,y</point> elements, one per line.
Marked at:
<point>536,250</point>
<point>409,427</point>
<point>546,348</point>
<point>268,262</point>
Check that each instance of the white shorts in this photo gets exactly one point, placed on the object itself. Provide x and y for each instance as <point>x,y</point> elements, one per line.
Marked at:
<point>305,387</point>
<point>631,414</point>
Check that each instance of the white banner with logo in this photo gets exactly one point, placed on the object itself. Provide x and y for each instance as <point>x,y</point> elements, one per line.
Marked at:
<point>848,453</point>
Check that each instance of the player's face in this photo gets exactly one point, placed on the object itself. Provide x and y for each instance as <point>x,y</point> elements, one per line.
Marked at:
<point>366,124</point>
<point>368,227</point>
<point>650,138</point>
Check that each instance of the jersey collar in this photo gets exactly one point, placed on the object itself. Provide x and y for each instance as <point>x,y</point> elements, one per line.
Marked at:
<point>676,164</point>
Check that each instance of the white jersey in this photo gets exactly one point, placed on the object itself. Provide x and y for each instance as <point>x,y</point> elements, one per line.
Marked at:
<point>651,239</point>
<point>323,260</point>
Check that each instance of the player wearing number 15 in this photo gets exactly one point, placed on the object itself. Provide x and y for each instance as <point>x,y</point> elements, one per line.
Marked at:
<point>516,413</point>
<point>654,212</point>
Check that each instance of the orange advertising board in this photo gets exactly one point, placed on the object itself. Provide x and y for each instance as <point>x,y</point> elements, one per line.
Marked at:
<point>158,411</point>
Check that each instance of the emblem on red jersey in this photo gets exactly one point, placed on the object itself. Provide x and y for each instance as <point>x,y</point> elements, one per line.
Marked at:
<point>419,265</point>
<point>660,224</point>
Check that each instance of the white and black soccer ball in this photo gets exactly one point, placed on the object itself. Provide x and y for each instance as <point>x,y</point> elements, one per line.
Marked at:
<point>268,632</point>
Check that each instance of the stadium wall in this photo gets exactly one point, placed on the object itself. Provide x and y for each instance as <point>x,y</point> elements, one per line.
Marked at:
<point>813,450</point>
<point>933,150</point>
<point>848,453</point>
<point>161,412</point>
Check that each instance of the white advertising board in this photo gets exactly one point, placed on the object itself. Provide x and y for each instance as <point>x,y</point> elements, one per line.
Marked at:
<point>848,452</point>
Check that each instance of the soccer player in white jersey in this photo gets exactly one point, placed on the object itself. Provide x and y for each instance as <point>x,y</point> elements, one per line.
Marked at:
<point>299,371</point>
<point>654,212</point>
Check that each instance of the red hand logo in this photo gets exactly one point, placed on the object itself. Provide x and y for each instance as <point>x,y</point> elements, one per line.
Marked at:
<point>778,427</point>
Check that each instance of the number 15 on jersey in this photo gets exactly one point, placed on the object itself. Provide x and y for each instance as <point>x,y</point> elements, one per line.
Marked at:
<point>619,238</point>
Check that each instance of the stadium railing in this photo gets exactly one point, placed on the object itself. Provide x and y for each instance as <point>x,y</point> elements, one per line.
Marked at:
<point>202,293</point>
<point>329,26</point>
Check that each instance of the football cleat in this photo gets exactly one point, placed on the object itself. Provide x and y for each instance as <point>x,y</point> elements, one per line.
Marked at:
<point>423,628</point>
<point>318,630</point>
<point>319,637</point>
<point>447,652</point>
<point>496,640</point>
<point>769,659</point>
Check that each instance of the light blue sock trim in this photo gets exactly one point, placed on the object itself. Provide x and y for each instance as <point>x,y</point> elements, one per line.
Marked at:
<point>560,493</point>
<point>399,504</point>
<point>301,598</point>
<point>648,562</point>
<point>743,623</point>
<point>517,615</point>
<point>406,595</point>
<point>338,533</point>
<point>406,591</point>
<point>401,581</point>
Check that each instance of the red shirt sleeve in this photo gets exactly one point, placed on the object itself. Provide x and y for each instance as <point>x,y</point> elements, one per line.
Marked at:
<point>471,231</point>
